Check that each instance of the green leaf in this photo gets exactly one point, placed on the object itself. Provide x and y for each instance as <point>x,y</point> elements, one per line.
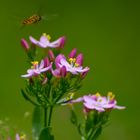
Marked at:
<point>45,134</point>
<point>37,123</point>
<point>24,95</point>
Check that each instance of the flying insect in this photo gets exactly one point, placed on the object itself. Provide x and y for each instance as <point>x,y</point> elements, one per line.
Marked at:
<point>32,20</point>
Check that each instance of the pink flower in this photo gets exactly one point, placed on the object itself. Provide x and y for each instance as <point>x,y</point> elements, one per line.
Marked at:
<point>98,102</point>
<point>73,65</point>
<point>44,42</point>
<point>37,69</point>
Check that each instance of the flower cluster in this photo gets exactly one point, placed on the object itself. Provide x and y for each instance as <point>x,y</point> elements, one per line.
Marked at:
<point>96,109</point>
<point>50,81</point>
<point>59,65</point>
<point>53,80</point>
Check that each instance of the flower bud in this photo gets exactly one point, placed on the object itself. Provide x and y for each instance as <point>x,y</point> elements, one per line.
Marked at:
<point>46,62</point>
<point>84,73</point>
<point>51,55</point>
<point>73,53</point>
<point>79,59</point>
<point>63,71</point>
<point>25,44</point>
<point>62,43</point>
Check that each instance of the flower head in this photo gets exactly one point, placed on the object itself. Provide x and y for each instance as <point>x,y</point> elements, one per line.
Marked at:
<point>73,65</point>
<point>98,102</point>
<point>44,41</point>
<point>37,69</point>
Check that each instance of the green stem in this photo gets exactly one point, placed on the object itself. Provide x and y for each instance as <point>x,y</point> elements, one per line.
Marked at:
<point>45,117</point>
<point>50,116</point>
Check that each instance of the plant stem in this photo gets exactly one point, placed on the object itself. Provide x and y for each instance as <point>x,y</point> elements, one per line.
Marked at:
<point>50,116</point>
<point>45,117</point>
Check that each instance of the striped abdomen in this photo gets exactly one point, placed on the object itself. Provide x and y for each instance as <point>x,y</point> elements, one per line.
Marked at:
<point>31,20</point>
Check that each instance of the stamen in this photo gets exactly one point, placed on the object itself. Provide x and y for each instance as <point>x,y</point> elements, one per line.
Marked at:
<point>72,60</point>
<point>97,94</point>
<point>47,36</point>
<point>34,63</point>
<point>110,95</point>
<point>76,65</point>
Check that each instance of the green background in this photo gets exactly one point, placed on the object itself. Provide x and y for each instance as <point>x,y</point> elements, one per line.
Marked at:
<point>106,31</point>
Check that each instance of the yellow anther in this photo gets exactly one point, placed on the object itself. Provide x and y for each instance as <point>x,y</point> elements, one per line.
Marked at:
<point>97,94</point>
<point>47,35</point>
<point>72,60</point>
<point>76,65</point>
<point>34,63</point>
<point>111,95</point>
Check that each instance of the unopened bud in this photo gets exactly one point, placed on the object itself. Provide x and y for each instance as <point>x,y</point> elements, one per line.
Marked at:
<point>46,62</point>
<point>51,55</point>
<point>63,71</point>
<point>25,44</point>
<point>79,59</point>
<point>62,43</point>
<point>73,53</point>
<point>84,73</point>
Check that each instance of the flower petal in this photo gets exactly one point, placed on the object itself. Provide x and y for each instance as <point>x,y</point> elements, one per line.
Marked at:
<point>33,40</point>
<point>46,69</point>
<point>55,44</point>
<point>41,64</point>
<point>27,75</point>
<point>57,60</point>
<point>119,107</point>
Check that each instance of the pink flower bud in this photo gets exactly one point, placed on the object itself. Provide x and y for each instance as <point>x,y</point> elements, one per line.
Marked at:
<point>25,44</point>
<point>79,59</point>
<point>85,73</point>
<point>46,62</point>
<point>63,71</point>
<point>73,53</point>
<point>51,55</point>
<point>62,43</point>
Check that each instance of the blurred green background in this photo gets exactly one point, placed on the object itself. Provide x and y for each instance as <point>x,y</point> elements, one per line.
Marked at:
<point>106,31</point>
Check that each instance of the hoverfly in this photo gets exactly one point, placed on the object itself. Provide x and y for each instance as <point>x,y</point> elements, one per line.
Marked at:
<point>36,18</point>
<point>31,20</point>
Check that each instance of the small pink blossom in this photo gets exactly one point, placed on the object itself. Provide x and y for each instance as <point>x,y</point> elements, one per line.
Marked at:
<point>73,65</point>
<point>98,102</point>
<point>37,69</point>
<point>44,42</point>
